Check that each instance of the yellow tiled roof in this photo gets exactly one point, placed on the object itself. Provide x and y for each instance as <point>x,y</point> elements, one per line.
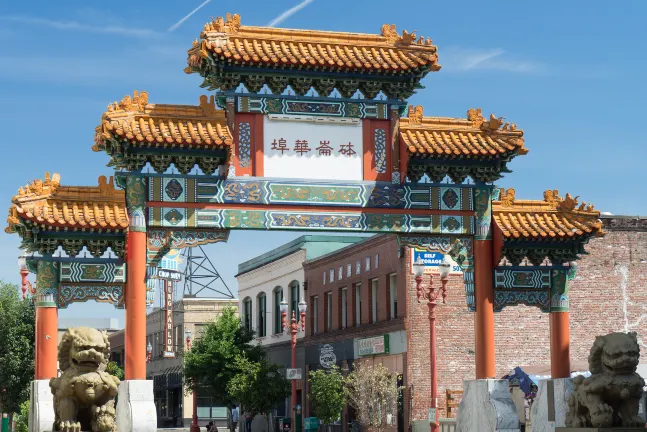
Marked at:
<point>161,125</point>
<point>553,218</point>
<point>388,52</point>
<point>452,137</point>
<point>81,207</point>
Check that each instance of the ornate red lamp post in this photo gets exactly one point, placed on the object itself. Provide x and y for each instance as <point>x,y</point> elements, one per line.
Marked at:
<point>194,421</point>
<point>293,329</point>
<point>431,296</point>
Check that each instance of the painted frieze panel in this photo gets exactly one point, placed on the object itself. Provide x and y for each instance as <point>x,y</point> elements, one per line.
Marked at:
<point>483,209</point>
<point>92,272</point>
<point>269,105</point>
<point>244,144</point>
<point>379,142</point>
<point>530,287</point>
<point>529,297</point>
<point>352,194</point>
<point>520,279</point>
<point>104,293</point>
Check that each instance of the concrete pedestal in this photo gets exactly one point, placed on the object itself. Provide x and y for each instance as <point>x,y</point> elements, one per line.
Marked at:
<point>136,407</point>
<point>487,407</point>
<point>41,407</point>
<point>611,429</point>
<point>550,407</point>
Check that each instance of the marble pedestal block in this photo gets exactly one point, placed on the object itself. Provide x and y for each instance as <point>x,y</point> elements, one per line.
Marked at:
<point>41,407</point>
<point>611,429</point>
<point>487,407</point>
<point>550,407</point>
<point>136,407</point>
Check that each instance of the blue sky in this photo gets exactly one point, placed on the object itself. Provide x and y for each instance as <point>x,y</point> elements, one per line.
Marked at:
<point>571,74</point>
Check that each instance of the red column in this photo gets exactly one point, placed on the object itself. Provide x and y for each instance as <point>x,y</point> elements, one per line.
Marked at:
<point>46,342</point>
<point>484,303</point>
<point>560,349</point>
<point>135,334</point>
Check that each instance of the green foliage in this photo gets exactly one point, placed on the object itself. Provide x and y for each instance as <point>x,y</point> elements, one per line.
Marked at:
<point>114,369</point>
<point>327,394</point>
<point>258,386</point>
<point>17,321</point>
<point>212,361</point>
<point>22,418</point>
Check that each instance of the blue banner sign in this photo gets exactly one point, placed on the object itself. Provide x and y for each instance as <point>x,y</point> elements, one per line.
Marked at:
<point>432,260</point>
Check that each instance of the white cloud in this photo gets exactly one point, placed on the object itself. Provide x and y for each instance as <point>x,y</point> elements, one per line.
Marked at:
<point>186,17</point>
<point>80,27</point>
<point>288,13</point>
<point>465,59</point>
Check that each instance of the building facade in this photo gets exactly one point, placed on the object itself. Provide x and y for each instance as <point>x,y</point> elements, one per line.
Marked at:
<point>174,407</point>
<point>365,308</point>
<point>265,281</point>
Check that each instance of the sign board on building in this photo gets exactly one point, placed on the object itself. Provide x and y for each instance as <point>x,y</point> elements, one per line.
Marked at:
<point>432,414</point>
<point>317,148</point>
<point>327,357</point>
<point>169,350</point>
<point>294,374</point>
<point>373,345</point>
<point>165,274</point>
<point>431,260</point>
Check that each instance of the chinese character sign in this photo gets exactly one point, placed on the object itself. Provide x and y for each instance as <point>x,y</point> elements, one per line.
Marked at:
<point>431,260</point>
<point>307,150</point>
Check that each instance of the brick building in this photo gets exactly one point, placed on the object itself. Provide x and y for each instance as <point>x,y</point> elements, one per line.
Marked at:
<point>608,294</point>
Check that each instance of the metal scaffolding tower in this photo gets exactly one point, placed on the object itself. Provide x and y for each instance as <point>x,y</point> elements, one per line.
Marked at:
<point>200,274</point>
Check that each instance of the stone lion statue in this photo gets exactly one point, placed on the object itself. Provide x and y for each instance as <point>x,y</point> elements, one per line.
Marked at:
<point>84,395</point>
<point>611,395</point>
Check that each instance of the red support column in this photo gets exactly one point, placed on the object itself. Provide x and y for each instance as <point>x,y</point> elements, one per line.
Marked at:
<point>46,340</point>
<point>484,284</point>
<point>135,334</point>
<point>560,348</point>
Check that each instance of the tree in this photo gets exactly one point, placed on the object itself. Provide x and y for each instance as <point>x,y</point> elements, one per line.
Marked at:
<point>114,369</point>
<point>22,418</point>
<point>258,386</point>
<point>327,394</point>
<point>212,361</point>
<point>17,321</point>
<point>373,392</point>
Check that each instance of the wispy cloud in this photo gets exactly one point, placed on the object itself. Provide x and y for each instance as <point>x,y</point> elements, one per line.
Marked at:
<point>462,59</point>
<point>80,27</point>
<point>288,13</point>
<point>180,22</point>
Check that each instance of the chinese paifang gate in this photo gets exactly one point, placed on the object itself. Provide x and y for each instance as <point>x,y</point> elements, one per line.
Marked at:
<point>302,130</point>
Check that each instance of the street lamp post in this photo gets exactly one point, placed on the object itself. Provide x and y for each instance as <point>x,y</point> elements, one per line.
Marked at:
<point>431,296</point>
<point>293,329</point>
<point>194,421</point>
<point>24,272</point>
<point>149,352</point>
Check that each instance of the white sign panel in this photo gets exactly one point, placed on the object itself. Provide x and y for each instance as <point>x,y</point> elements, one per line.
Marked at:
<point>327,357</point>
<point>294,374</point>
<point>309,147</point>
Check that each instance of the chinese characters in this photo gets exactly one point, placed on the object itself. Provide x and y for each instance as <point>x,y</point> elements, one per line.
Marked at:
<point>302,147</point>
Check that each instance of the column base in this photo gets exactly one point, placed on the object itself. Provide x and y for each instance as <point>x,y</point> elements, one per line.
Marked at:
<point>487,407</point>
<point>136,407</point>
<point>41,407</point>
<point>550,407</point>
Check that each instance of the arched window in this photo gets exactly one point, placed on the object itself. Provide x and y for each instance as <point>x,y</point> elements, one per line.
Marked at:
<point>247,313</point>
<point>261,307</point>
<point>278,298</point>
<point>294,300</point>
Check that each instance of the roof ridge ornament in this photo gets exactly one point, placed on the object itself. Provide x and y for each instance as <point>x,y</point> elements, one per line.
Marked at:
<point>507,197</point>
<point>415,114</point>
<point>137,103</point>
<point>392,37</point>
<point>230,25</point>
<point>107,187</point>
<point>39,187</point>
<point>475,115</point>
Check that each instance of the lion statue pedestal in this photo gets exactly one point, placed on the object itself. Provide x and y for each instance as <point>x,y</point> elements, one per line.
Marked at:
<point>609,399</point>
<point>84,394</point>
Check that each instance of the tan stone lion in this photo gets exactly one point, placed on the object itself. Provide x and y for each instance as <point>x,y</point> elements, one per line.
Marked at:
<point>84,395</point>
<point>611,395</point>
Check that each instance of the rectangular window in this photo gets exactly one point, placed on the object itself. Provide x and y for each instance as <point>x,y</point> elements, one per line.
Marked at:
<point>377,261</point>
<point>374,299</point>
<point>358,304</point>
<point>262,316</point>
<point>278,298</point>
<point>328,311</point>
<point>247,314</point>
<point>332,275</point>
<point>340,273</point>
<point>393,295</point>
<point>344,311</point>
<point>368,264</point>
<point>358,267</point>
<point>315,315</point>
<point>324,278</point>
<point>349,270</point>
